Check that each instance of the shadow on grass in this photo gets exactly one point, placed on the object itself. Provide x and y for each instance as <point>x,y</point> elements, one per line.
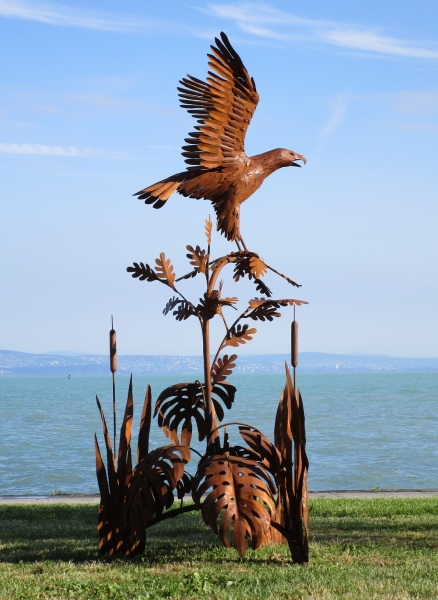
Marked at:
<point>69,533</point>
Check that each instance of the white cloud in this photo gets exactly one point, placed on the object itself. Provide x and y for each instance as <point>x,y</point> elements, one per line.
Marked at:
<point>252,12</point>
<point>71,151</point>
<point>371,42</point>
<point>66,16</point>
<point>254,17</point>
<point>258,19</point>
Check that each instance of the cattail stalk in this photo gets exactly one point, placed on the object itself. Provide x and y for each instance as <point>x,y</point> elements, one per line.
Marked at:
<point>294,346</point>
<point>113,367</point>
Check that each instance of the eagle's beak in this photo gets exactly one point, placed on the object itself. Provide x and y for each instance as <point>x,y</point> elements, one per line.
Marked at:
<point>298,157</point>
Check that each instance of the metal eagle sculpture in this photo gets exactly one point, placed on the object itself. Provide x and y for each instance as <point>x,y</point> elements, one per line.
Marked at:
<point>220,170</point>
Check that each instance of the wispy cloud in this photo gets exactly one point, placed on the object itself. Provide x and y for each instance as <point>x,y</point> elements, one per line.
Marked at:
<point>63,15</point>
<point>372,42</point>
<point>338,109</point>
<point>267,22</point>
<point>70,151</point>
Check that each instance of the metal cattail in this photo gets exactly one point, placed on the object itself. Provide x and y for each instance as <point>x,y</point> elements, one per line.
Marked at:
<point>113,367</point>
<point>113,349</point>
<point>294,345</point>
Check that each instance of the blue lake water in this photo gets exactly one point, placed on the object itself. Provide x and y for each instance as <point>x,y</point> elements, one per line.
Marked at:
<point>363,430</point>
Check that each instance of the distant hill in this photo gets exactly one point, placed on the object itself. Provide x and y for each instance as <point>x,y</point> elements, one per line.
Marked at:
<point>23,363</point>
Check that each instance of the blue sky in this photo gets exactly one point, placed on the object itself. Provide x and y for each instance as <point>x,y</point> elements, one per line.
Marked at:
<point>89,115</point>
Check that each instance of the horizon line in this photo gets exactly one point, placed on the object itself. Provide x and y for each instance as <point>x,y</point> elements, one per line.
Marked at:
<point>72,354</point>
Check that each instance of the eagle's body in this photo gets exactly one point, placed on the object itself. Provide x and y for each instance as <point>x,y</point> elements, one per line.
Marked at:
<point>221,171</point>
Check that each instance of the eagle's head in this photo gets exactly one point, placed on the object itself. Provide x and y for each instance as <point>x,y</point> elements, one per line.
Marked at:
<point>288,158</point>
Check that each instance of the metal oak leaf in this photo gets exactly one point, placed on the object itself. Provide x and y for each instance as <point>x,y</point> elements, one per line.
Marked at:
<point>208,305</point>
<point>143,271</point>
<point>184,311</point>
<point>251,265</point>
<point>171,304</point>
<point>229,301</point>
<point>257,266</point>
<point>208,228</point>
<point>223,367</point>
<point>266,308</point>
<point>188,275</point>
<point>198,258</point>
<point>262,288</point>
<point>239,334</point>
<point>264,312</point>
<point>241,497</point>
<point>165,270</point>
<point>256,302</point>
<point>242,265</point>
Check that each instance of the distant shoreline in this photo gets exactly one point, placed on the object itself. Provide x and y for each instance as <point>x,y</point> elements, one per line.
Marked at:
<point>25,364</point>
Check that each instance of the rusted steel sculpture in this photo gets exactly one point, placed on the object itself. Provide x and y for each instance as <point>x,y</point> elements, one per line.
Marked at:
<point>252,494</point>
<point>219,169</point>
<point>258,491</point>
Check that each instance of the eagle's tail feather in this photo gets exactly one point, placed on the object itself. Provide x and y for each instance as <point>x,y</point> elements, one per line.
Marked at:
<point>158,193</point>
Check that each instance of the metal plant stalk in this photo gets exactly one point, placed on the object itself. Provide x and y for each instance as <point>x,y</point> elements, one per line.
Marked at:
<point>253,492</point>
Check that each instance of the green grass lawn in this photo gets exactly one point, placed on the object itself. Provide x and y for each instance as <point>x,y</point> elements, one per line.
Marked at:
<point>380,548</point>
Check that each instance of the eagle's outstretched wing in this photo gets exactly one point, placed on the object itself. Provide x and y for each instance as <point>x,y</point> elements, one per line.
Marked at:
<point>223,106</point>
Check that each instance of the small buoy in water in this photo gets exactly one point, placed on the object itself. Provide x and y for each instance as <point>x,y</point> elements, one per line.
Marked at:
<point>69,376</point>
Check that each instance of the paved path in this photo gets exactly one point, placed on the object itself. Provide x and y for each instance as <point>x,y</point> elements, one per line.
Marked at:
<point>94,498</point>
<point>375,494</point>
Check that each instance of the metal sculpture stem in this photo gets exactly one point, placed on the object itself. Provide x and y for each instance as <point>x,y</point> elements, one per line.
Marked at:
<point>294,348</point>
<point>210,414</point>
<point>170,514</point>
<point>113,367</point>
<point>114,415</point>
<point>225,260</point>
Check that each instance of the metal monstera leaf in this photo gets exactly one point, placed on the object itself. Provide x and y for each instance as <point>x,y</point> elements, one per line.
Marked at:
<point>241,498</point>
<point>150,490</point>
<point>179,405</point>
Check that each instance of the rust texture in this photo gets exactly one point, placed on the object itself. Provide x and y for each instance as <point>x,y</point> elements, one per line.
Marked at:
<point>252,493</point>
<point>113,351</point>
<point>220,170</point>
<point>132,499</point>
<point>294,344</point>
